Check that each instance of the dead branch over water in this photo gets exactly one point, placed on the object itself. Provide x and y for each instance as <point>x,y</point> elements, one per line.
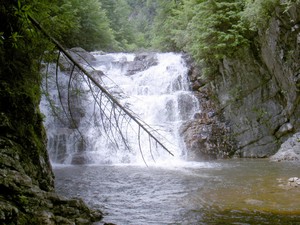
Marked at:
<point>116,120</point>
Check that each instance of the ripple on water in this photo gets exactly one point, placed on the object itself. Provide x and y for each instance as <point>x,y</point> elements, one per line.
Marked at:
<point>223,192</point>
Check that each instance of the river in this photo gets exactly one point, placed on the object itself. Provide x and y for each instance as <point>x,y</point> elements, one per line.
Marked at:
<point>220,192</point>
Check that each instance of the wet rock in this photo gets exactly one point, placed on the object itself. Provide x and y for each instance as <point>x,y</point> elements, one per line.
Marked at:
<point>186,104</point>
<point>206,141</point>
<point>46,218</point>
<point>40,207</point>
<point>7,211</point>
<point>292,182</point>
<point>24,200</point>
<point>289,150</point>
<point>97,75</point>
<point>207,135</point>
<point>294,179</point>
<point>141,62</point>
<point>81,221</point>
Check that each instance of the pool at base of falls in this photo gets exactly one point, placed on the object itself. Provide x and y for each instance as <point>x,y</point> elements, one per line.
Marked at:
<point>220,192</point>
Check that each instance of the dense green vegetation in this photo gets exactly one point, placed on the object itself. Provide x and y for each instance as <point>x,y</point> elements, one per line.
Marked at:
<point>209,30</point>
<point>22,133</point>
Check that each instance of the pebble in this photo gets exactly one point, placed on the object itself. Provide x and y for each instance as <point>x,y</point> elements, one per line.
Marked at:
<point>294,181</point>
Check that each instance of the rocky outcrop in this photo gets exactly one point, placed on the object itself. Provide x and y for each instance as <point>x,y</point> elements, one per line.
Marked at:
<point>26,180</point>
<point>289,150</point>
<point>258,94</point>
<point>22,201</point>
<point>141,62</point>
<point>27,194</point>
<point>206,136</point>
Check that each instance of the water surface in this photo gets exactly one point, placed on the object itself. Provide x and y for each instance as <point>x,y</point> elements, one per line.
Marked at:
<point>220,192</point>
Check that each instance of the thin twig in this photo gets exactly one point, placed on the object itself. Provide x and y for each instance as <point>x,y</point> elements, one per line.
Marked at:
<point>107,104</point>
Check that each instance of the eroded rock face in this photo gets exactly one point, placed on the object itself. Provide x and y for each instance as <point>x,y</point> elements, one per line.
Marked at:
<point>207,136</point>
<point>27,189</point>
<point>256,96</point>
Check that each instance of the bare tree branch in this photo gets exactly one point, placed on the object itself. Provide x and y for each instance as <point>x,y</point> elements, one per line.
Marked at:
<point>113,115</point>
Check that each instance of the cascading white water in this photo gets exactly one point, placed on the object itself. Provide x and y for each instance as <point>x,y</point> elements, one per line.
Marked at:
<point>156,89</point>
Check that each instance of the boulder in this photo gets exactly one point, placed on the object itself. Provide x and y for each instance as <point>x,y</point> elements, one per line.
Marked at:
<point>141,62</point>
<point>289,150</point>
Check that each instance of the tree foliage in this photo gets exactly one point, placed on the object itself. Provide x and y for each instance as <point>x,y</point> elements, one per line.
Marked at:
<point>163,26</point>
<point>118,13</point>
<point>91,29</point>
<point>75,23</point>
<point>209,30</point>
<point>216,27</point>
<point>257,13</point>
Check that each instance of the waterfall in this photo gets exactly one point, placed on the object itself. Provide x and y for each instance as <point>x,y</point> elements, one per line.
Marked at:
<point>154,86</point>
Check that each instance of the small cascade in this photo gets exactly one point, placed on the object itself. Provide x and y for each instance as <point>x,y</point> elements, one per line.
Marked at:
<point>152,85</point>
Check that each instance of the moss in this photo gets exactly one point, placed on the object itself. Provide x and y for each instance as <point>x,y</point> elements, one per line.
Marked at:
<point>21,120</point>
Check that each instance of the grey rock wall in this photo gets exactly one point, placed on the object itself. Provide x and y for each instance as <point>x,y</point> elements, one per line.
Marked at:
<point>254,100</point>
<point>259,93</point>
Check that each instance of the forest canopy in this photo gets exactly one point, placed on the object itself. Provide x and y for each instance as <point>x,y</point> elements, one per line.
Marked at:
<point>208,30</point>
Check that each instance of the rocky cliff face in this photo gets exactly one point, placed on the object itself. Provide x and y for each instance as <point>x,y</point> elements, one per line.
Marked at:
<point>26,180</point>
<point>257,95</point>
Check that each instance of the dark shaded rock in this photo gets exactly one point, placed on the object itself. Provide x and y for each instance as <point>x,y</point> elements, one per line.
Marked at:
<point>185,105</point>
<point>207,136</point>
<point>22,201</point>
<point>284,129</point>
<point>26,179</point>
<point>141,62</point>
<point>206,141</point>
